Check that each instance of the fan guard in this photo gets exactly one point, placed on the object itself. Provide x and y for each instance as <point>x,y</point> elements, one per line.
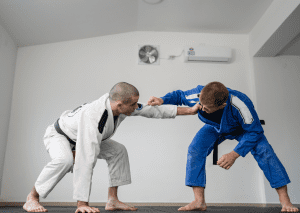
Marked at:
<point>148,54</point>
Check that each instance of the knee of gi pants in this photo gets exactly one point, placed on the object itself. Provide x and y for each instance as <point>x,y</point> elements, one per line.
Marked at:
<point>123,150</point>
<point>120,149</point>
<point>64,163</point>
<point>193,150</point>
<point>263,148</point>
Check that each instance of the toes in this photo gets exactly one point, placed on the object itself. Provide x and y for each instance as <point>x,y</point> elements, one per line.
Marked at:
<point>290,209</point>
<point>132,209</point>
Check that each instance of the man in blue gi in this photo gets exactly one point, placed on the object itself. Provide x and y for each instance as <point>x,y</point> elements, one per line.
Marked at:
<point>227,114</point>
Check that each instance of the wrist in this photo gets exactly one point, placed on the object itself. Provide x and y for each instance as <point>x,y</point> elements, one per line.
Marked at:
<point>235,154</point>
<point>161,101</point>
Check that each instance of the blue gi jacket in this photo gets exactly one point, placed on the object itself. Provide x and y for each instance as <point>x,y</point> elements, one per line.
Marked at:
<point>239,120</point>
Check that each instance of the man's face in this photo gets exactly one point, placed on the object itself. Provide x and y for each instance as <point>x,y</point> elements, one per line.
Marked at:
<point>128,107</point>
<point>210,108</point>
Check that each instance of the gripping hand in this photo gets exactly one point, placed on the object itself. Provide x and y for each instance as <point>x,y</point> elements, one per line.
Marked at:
<point>154,101</point>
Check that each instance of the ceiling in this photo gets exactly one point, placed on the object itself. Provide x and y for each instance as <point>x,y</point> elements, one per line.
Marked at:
<point>33,22</point>
<point>293,48</point>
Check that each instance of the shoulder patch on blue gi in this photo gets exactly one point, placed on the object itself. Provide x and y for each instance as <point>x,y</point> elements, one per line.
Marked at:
<point>140,106</point>
<point>243,109</point>
<point>102,121</point>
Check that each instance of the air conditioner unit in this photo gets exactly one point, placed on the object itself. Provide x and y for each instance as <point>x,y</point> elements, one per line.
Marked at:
<point>207,53</point>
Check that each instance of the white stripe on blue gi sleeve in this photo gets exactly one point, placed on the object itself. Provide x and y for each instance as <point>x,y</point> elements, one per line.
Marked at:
<point>193,96</point>
<point>243,109</point>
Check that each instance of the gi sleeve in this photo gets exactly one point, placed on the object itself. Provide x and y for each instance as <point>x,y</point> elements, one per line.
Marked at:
<point>87,151</point>
<point>168,111</point>
<point>179,97</point>
<point>248,119</point>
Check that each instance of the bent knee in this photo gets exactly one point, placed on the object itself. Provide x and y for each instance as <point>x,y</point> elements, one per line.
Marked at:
<point>196,151</point>
<point>263,148</point>
<point>121,149</point>
<point>63,162</point>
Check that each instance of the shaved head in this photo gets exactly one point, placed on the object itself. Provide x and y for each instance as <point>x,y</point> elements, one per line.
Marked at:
<point>123,92</point>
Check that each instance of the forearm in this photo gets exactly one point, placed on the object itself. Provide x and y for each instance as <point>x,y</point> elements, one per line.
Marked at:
<point>184,111</point>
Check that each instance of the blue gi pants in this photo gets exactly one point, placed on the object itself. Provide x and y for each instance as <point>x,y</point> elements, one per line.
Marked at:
<point>203,144</point>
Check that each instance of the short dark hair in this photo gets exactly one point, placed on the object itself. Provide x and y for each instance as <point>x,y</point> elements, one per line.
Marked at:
<point>214,93</point>
<point>123,91</point>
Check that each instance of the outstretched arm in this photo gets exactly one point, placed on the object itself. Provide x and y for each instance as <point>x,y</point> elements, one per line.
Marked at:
<point>165,111</point>
<point>189,110</point>
<point>178,97</point>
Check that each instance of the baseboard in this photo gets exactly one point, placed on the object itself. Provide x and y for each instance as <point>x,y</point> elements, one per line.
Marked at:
<point>10,204</point>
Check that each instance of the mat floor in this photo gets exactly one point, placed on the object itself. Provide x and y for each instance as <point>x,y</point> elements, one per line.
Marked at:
<point>157,209</point>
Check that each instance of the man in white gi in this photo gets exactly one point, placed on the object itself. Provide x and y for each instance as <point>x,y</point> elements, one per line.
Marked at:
<point>89,129</point>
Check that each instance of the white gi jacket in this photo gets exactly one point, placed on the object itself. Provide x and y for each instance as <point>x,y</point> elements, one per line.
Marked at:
<point>82,125</point>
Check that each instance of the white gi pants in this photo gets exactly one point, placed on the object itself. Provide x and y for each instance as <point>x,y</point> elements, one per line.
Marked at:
<point>60,151</point>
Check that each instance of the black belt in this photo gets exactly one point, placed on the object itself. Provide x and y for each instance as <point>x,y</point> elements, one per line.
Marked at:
<point>215,152</point>
<point>58,129</point>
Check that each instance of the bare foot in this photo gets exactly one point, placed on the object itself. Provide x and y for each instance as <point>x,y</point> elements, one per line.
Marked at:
<point>32,205</point>
<point>195,205</point>
<point>114,204</point>
<point>288,207</point>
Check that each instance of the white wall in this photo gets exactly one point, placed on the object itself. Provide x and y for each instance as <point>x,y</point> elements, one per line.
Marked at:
<point>8,57</point>
<point>277,82</point>
<point>54,77</point>
<point>275,29</point>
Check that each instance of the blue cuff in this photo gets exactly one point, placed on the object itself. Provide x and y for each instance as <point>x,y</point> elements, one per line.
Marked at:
<point>164,99</point>
<point>237,150</point>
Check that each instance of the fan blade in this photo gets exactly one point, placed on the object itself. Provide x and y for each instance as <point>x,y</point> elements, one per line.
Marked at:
<point>145,59</point>
<point>152,59</point>
<point>153,52</point>
<point>142,52</point>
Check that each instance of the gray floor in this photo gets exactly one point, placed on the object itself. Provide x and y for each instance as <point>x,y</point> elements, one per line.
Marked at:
<point>158,209</point>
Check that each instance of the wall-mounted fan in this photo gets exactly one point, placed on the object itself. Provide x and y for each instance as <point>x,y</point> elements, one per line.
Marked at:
<point>148,54</point>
